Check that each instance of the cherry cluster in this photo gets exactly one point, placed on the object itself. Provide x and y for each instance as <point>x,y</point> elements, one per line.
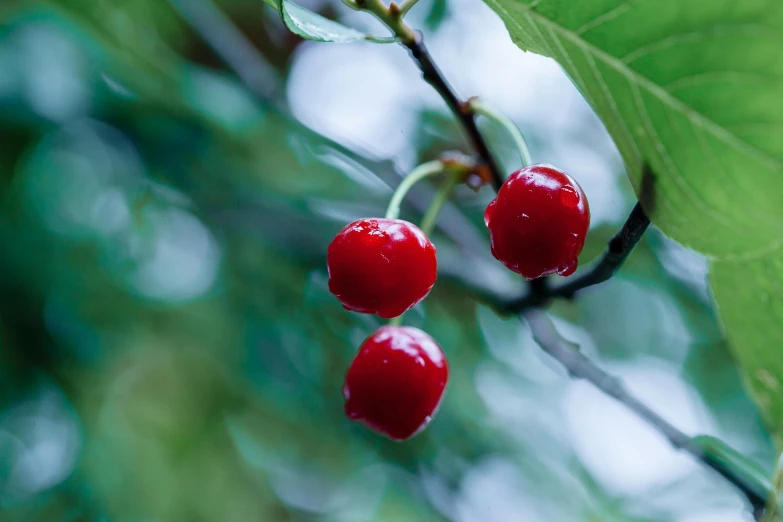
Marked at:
<point>537,226</point>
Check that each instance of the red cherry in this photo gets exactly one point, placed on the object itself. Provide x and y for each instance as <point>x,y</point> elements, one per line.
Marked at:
<point>538,222</point>
<point>381,266</point>
<point>396,381</point>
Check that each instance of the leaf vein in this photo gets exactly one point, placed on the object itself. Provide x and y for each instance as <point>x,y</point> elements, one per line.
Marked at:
<point>667,159</point>
<point>691,37</point>
<point>606,17</point>
<point>667,98</point>
<point>708,77</point>
<point>613,105</point>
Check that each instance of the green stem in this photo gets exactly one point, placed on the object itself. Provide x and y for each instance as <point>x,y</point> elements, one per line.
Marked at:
<point>440,199</point>
<point>456,173</point>
<point>391,16</point>
<point>479,107</point>
<point>425,170</point>
<point>406,6</point>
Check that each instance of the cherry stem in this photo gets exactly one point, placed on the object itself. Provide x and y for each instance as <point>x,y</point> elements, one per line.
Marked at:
<point>392,18</point>
<point>479,107</point>
<point>457,173</point>
<point>439,200</point>
<point>431,216</point>
<point>457,168</point>
<point>406,6</point>
<point>425,170</point>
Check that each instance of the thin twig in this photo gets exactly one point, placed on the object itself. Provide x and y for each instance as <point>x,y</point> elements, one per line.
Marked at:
<point>479,107</point>
<point>392,17</point>
<point>620,247</point>
<point>581,367</point>
<point>462,111</point>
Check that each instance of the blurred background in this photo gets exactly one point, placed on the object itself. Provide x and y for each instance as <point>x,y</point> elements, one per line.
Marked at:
<point>169,350</point>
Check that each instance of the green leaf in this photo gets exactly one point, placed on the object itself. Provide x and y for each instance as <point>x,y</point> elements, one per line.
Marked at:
<point>694,90</point>
<point>749,294</point>
<point>312,26</point>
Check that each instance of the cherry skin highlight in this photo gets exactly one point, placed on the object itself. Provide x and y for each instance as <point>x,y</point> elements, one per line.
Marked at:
<point>395,383</point>
<point>381,266</point>
<point>538,222</point>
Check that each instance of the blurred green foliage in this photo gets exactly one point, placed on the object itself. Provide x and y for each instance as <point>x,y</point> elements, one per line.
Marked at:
<point>169,350</point>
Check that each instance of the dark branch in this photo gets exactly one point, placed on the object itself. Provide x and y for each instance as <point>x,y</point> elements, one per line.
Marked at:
<point>620,247</point>
<point>467,118</point>
<point>581,367</point>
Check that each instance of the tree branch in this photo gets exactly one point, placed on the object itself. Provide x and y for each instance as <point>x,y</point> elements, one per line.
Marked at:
<point>620,247</point>
<point>461,110</point>
<point>392,17</point>
<point>581,367</point>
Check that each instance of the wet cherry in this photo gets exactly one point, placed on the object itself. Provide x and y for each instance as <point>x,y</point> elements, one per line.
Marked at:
<point>538,222</point>
<point>396,381</point>
<point>381,266</point>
